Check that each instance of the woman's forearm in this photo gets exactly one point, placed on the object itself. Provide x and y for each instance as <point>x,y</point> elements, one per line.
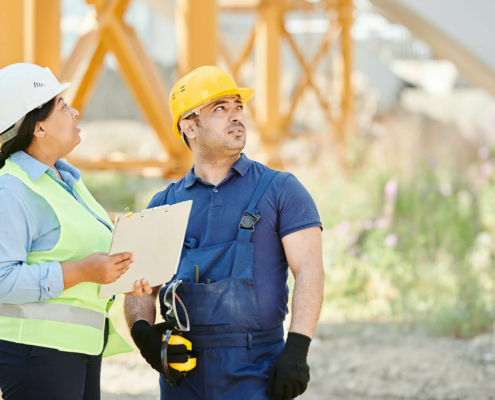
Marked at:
<point>73,273</point>
<point>21,283</point>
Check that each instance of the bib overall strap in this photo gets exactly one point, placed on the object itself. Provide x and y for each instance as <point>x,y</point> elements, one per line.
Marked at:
<point>251,216</point>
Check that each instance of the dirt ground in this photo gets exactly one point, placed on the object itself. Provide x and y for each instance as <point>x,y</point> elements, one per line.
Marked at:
<point>356,361</point>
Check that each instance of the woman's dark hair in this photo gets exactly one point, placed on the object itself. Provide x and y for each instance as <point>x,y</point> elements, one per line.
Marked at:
<point>25,135</point>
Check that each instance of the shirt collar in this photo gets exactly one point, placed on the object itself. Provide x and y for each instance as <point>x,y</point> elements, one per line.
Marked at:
<point>35,169</point>
<point>190,178</point>
<point>64,166</point>
<point>241,166</point>
<point>29,165</point>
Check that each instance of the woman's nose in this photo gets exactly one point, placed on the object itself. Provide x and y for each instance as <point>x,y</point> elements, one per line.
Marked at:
<point>75,113</point>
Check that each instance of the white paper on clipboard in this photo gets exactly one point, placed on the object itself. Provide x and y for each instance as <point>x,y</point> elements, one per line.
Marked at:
<point>156,236</point>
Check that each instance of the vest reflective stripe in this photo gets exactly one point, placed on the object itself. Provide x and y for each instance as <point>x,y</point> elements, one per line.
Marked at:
<point>54,312</point>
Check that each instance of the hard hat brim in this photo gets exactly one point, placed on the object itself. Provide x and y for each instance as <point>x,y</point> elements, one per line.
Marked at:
<point>245,93</point>
<point>64,86</point>
<point>56,93</point>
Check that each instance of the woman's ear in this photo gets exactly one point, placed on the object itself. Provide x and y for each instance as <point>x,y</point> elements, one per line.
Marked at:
<point>39,131</point>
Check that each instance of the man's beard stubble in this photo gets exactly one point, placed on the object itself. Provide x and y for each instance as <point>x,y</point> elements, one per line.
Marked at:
<point>213,152</point>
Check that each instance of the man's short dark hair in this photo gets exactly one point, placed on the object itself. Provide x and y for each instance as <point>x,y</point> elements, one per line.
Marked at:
<point>184,138</point>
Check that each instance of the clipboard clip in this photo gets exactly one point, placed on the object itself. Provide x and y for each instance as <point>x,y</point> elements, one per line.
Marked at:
<point>128,213</point>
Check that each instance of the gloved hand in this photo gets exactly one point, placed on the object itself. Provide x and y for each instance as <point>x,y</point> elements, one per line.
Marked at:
<point>290,374</point>
<point>148,339</point>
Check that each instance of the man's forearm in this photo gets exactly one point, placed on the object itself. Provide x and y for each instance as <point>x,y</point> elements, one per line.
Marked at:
<point>137,308</point>
<point>307,300</point>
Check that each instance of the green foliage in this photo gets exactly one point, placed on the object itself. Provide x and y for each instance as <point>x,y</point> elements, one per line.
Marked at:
<point>414,250</point>
<point>117,191</point>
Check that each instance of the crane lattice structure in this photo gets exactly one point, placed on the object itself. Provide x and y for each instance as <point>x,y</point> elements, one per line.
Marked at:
<point>30,32</point>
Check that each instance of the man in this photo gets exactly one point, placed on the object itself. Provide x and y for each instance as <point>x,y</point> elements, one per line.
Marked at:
<point>248,224</point>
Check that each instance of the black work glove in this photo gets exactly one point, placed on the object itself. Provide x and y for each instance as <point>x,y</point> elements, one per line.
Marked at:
<point>290,374</point>
<point>148,339</point>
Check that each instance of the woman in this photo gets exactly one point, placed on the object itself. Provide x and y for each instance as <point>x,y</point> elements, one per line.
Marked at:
<point>53,242</point>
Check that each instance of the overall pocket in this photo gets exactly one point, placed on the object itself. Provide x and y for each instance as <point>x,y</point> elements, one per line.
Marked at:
<point>208,305</point>
<point>265,354</point>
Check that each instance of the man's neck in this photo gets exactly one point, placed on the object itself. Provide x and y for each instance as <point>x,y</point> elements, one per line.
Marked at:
<point>216,171</point>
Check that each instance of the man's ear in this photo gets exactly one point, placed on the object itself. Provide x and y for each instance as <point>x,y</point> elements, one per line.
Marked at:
<point>39,131</point>
<point>188,128</point>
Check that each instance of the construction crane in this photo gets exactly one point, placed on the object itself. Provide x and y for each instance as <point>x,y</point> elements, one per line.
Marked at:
<point>30,32</point>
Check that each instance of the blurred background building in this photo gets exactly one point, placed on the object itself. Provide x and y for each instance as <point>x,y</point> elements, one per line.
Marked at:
<point>384,109</point>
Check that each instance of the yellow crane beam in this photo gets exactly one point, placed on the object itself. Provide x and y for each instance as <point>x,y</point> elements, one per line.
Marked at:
<point>196,34</point>
<point>309,70</point>
<point>267,64</point>
<point>11,32</point>
<point>266,40</point>
<point>345,12</point>
<point>30,32</point>
<point>83,67</point>
<point>42,33</point>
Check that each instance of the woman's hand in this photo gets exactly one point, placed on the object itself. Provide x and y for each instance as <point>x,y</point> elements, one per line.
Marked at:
<point>97,268</point>
<point>105,269</point>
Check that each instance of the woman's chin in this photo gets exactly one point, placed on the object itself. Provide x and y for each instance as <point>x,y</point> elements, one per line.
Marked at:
<point>78,140</point>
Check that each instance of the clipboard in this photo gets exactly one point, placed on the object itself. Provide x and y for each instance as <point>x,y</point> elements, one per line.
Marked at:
<point>156,236</point>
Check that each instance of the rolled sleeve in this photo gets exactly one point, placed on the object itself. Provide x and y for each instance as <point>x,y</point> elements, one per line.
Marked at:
<point>297,209</point>
<point>52,280</point>
<point>19,282</point>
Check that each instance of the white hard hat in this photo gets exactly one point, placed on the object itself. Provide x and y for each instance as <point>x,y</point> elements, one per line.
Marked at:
<point>24,87</point>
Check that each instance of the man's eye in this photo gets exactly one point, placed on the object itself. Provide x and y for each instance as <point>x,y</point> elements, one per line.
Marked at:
<point>218,108</point>
<point>240,107</point>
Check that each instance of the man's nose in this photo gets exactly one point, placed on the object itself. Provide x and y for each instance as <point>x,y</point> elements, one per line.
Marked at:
<point>236,115</point>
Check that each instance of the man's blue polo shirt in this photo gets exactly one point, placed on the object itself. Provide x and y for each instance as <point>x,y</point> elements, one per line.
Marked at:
<point>285,208</point>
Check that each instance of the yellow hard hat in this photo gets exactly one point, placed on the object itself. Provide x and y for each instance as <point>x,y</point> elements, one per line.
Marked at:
<point>200,86</point>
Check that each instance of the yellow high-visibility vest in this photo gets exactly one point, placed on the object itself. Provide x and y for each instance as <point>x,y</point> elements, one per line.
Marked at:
<point>74,322</point>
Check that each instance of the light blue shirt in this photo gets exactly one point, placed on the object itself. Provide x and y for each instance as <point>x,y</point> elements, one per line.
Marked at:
<point>28,223</point>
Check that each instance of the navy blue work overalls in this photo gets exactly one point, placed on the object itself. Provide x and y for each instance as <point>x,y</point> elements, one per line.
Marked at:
<point>234,353</point>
